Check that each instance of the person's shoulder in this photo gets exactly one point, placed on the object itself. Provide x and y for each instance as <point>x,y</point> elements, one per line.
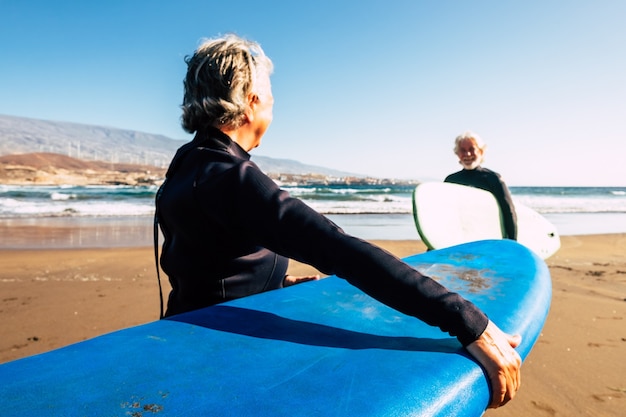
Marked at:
<point>453,176</point>
<point>250,167</point>
<point>217,165</point>
<point>250,172</point>
<point>488,171</point>
<point>493,178</point>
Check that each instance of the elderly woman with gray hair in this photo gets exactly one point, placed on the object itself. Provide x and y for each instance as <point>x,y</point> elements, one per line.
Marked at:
<point>229,230</point>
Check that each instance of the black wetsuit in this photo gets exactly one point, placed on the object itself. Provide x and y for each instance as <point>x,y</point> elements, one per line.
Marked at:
<point>491,181</point>
<point>229,230</point>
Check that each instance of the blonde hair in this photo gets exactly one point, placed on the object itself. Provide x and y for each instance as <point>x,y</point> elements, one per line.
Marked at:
<point>221,74</point>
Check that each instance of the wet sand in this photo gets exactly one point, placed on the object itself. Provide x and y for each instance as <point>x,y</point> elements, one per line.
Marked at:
<point>51,298</point>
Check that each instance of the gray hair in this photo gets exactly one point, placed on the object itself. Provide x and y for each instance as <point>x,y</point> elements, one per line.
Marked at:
<point>220,75</point>
<point>468,134</point>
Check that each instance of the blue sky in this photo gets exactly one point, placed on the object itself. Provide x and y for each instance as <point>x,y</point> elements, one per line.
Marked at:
<point>373,87</point>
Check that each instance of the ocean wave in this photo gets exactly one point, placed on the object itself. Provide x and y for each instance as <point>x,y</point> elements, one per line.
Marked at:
<point>359,207</point>
<point>121,200</point>
<point>72,208</point>
<point>342,190</point>
<point>553,204</point>
<point>61,196</point>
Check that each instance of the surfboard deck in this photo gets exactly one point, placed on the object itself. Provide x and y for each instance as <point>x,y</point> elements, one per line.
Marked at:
<point>449,214</point>
<point>318,349</point>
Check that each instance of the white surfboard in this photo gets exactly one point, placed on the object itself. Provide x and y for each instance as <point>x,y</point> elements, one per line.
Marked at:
<point>450,214</point>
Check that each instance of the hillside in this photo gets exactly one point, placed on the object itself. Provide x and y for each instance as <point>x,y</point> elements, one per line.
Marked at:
<point>19,135</point>
<point>55,169</point>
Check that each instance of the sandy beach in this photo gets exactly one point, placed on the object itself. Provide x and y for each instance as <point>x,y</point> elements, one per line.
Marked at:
<point>51,298</point>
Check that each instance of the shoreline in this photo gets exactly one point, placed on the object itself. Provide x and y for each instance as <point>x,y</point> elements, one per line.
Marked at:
<point>55,297</point>
<point>136,231</point>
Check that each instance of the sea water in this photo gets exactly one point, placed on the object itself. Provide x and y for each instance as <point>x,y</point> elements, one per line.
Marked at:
<point>71,216</point>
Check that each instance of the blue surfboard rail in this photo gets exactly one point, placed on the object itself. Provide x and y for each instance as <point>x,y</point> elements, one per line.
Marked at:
<point>321,348</point>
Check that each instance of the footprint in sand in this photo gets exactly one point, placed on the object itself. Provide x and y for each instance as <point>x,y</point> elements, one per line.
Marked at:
<point>544,407</point>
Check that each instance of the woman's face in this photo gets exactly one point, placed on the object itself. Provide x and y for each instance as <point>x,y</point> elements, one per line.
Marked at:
<point>263,111</point>
<point>470,155</point>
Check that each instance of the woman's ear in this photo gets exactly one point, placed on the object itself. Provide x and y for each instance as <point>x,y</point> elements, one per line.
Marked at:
<point>253,100</point>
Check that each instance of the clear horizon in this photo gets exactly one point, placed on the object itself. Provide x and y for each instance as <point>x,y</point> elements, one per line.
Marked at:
<point>372,87</point>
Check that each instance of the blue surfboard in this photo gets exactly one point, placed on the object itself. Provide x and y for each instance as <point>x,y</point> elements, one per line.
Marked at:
<point>321,348</point>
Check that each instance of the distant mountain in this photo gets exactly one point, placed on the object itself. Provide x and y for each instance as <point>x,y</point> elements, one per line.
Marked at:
<point>43,168</point>
<point>24,135</point>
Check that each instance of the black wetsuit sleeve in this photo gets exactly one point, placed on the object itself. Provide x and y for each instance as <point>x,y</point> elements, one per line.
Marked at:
<point>267,215</point>
<point>505,201</point>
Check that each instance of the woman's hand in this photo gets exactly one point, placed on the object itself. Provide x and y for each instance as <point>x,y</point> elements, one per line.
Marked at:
<point>291,280</point>
<point>495,351</point>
